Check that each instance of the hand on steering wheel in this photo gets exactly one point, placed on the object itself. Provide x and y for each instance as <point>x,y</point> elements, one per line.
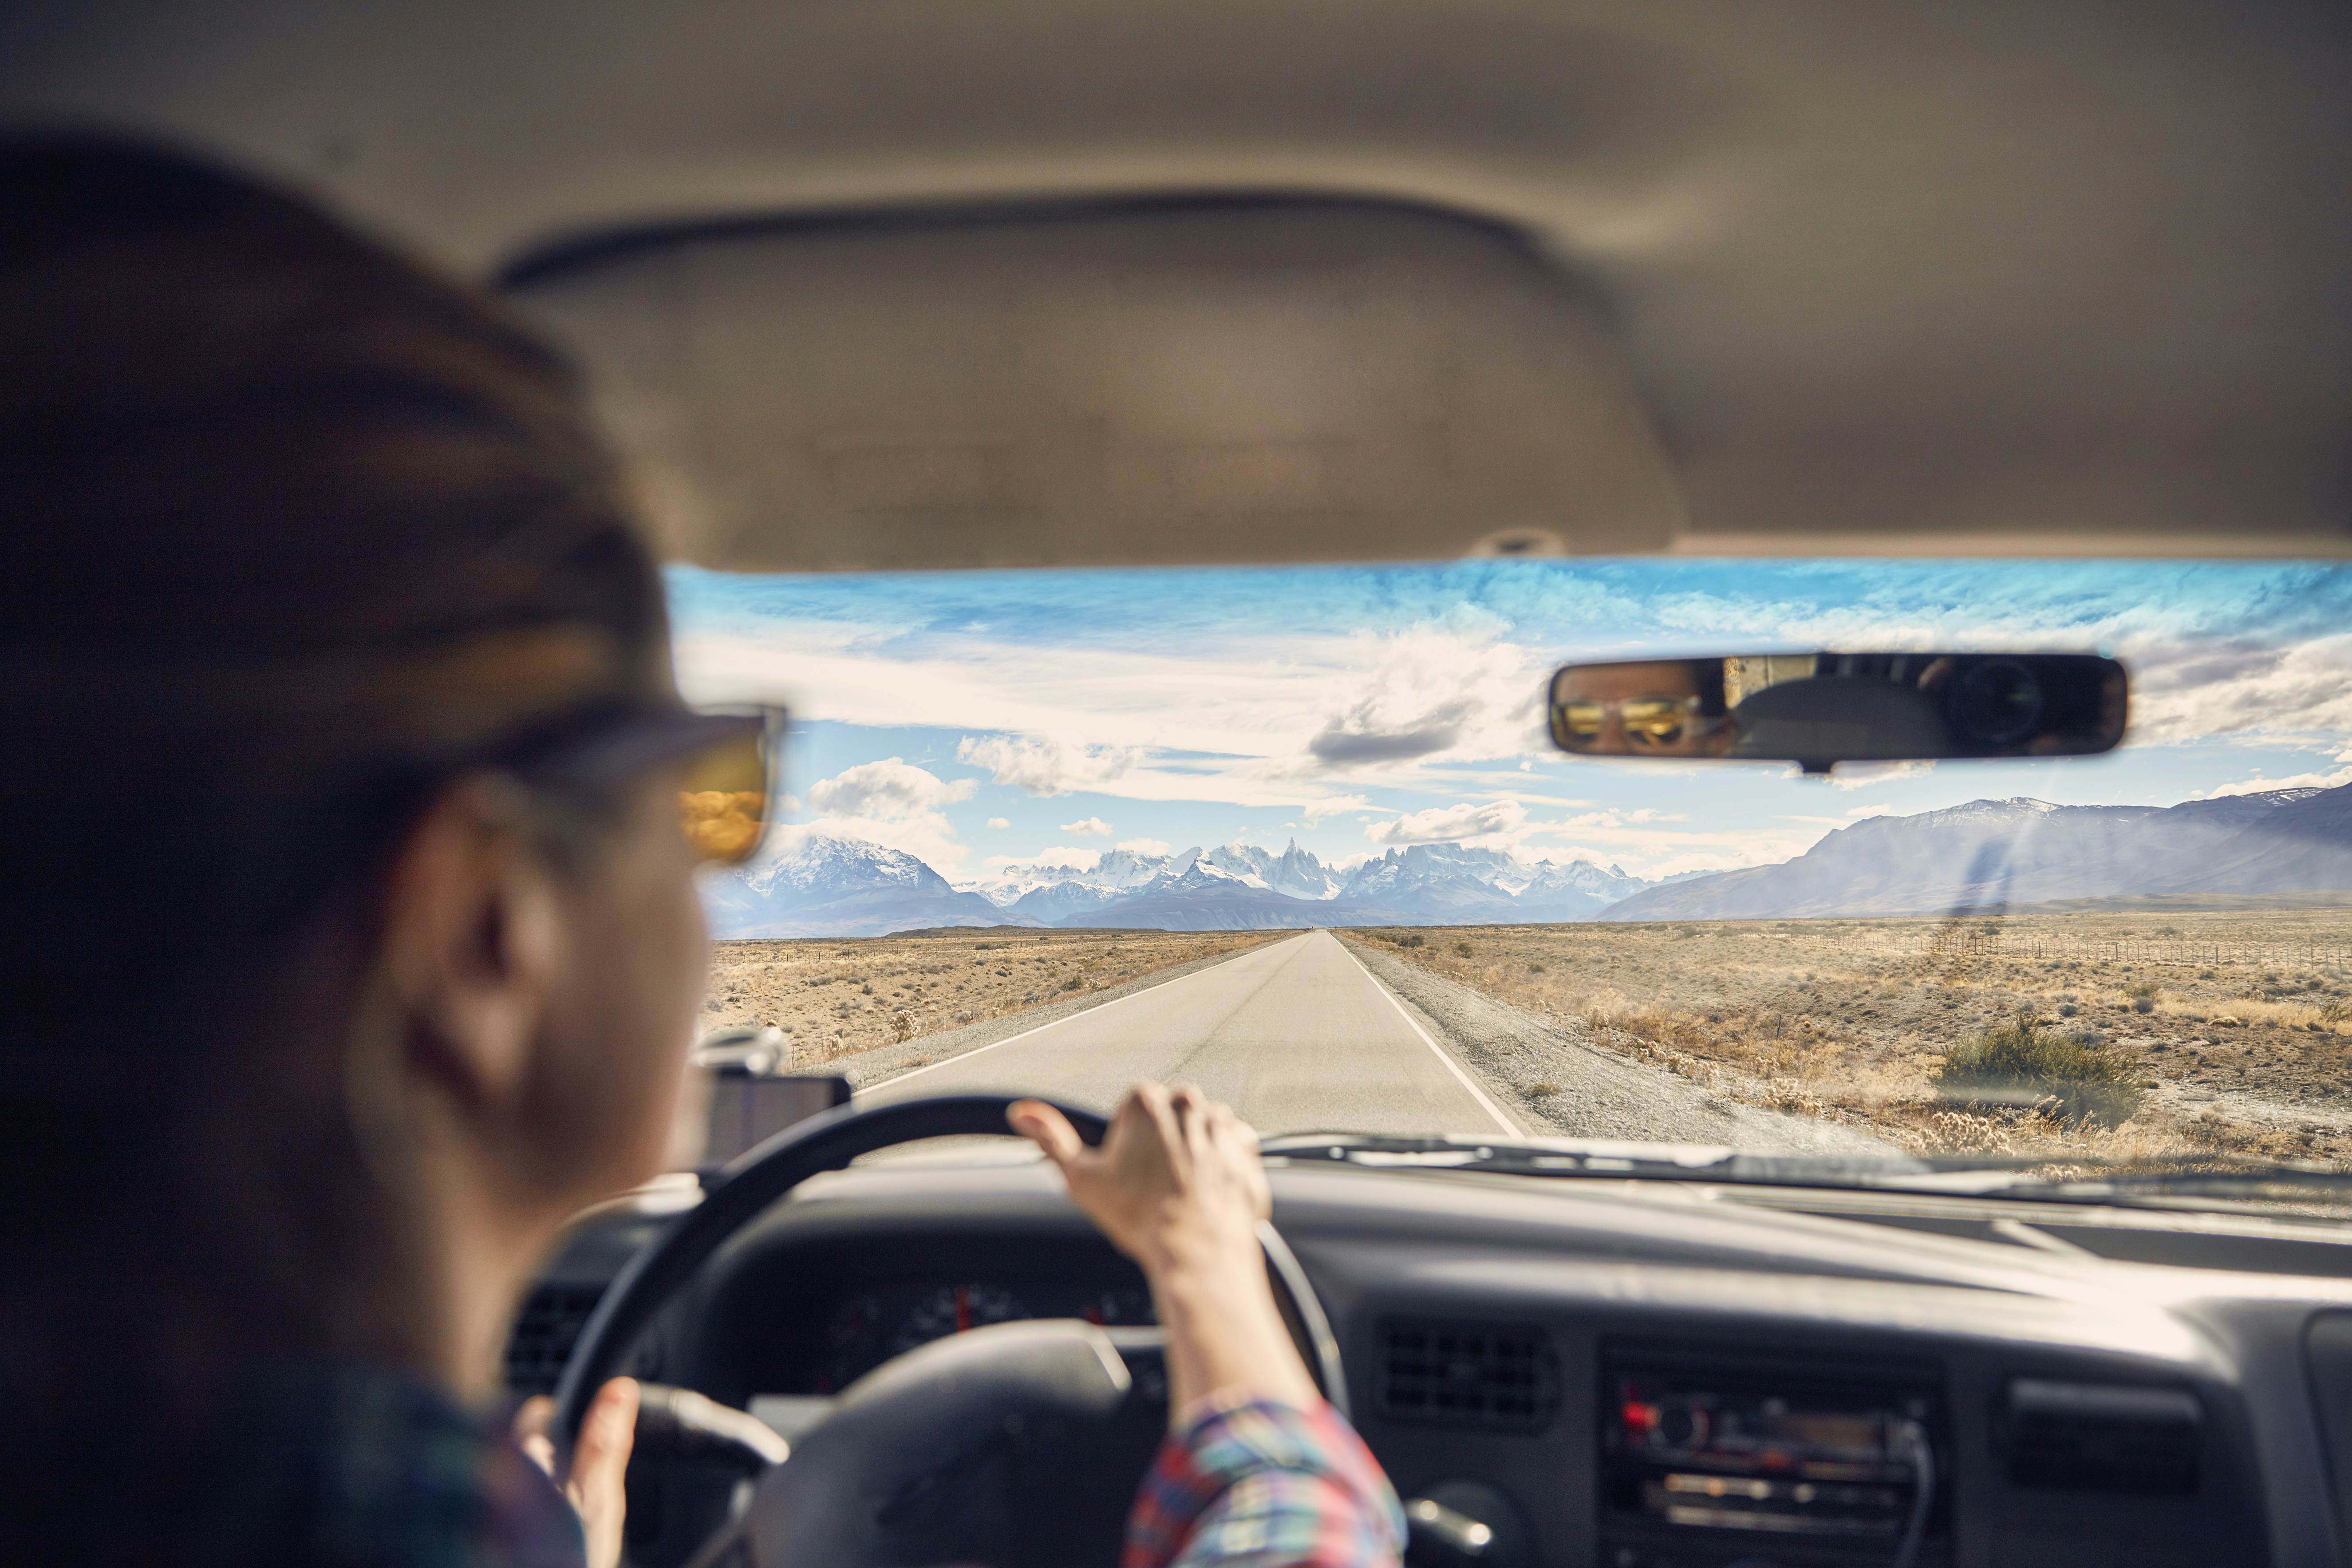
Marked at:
<point>596,1481</point>
<point>1177,1185</point>
<point>1018,1441</point>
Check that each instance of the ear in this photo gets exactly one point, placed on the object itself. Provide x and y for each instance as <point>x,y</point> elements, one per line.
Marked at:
<point>473,929</point>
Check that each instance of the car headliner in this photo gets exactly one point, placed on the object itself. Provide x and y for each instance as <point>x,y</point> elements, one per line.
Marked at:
<point>1970,277</point>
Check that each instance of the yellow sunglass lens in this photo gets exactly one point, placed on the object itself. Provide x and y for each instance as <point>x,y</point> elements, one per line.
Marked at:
<point>1654,718</point>
<point>724,806</point>
<point>722,825</point>
<point>1584,718</point>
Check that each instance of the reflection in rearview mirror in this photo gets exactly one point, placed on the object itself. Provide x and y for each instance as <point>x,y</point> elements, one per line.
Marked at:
<point>1818,709</point>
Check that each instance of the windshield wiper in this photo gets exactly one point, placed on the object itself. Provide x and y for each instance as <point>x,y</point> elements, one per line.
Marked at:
<point>1571,1157</point>
<point>2240,1183</point>
<point>2021,1177</point>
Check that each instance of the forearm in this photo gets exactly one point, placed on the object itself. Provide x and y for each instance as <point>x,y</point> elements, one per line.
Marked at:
<point>1224,1332</point>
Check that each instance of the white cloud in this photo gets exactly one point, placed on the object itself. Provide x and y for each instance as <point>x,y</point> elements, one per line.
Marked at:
<point>1089,827</point>
<point>1439,824</point>
<point>891,790</point>
<point>1878,809</point>
<point>1043,765</point>
<point>1862,775</point>
<point>1454,690</point>
<point>892,803</point>
<point>998,821</point>
<point>1229,721</point>
<point>1635,818</point>
<point>1144,846</point>
<point>2189,688</point>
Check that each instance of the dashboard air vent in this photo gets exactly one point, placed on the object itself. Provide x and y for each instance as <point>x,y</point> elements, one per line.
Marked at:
<point>1468,1375</point>
<point>551,1318</point>
<point>2102,1437</point>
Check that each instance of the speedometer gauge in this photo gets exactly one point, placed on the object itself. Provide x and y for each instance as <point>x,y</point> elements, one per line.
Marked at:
<point>870,1327</point>
<point>952,1309</point>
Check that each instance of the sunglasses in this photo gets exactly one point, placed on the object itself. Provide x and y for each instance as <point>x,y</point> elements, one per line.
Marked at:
<point>1655,719</point>
<point>730,795</point>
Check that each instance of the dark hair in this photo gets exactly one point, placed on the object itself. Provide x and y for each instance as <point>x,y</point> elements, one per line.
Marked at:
<point>286,520</point>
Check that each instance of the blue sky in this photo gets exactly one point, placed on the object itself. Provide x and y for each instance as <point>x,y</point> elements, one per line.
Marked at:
<point>996,721</point>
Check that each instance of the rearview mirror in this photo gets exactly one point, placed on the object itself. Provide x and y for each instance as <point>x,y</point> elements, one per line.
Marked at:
<point>1819,710</point>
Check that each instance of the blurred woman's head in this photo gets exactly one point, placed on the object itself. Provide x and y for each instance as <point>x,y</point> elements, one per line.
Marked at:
<point>319,982</point>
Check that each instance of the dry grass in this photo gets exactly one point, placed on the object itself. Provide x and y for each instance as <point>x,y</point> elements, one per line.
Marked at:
<point>1853,1019</point>
<point>839,996</point>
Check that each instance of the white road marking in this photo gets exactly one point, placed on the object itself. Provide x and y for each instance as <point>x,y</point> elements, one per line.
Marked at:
<point>1501,1121</point>
<point>1087,1013</point>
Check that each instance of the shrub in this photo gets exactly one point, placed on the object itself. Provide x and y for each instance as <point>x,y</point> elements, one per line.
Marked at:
<point>2143,1004</point>
<point>1463,948</point>
<point>2022,1065</point>
<point>1412,939</point>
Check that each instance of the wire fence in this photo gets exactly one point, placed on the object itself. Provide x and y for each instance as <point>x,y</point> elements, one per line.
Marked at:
<point>1973,940</point>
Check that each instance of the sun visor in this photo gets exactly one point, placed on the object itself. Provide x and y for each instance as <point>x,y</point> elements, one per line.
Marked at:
<point>1190,383</point>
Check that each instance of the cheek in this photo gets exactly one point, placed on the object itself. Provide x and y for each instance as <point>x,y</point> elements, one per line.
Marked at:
<point>627,1018</point>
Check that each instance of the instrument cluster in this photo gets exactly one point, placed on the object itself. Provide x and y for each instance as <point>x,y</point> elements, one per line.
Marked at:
<point>870,1327</point>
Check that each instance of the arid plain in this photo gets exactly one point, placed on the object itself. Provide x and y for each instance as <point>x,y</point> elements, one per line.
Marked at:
<point>2235,1025</point>
<point>835,997</point>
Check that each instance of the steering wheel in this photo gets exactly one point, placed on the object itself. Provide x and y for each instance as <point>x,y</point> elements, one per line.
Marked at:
<point>1021,1441</point>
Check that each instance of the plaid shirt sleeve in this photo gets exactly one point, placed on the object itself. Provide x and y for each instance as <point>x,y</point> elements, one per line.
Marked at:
<point>1253,1483</point>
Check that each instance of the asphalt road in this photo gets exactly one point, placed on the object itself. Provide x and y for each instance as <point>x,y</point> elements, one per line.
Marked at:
<point>1296,1036</point>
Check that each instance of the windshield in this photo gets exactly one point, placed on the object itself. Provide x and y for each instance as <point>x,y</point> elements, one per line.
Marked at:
<point>1299,835</point>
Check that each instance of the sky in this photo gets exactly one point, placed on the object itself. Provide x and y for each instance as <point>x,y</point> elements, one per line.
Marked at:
<point>995,723</point>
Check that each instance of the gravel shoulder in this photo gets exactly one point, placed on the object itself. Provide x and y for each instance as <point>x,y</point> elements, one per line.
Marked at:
<point>868,1069</point>
<point>1556,1081</point>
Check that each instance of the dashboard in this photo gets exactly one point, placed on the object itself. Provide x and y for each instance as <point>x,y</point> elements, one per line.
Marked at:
<point>870,1327</point>
<point>1639,1374</point>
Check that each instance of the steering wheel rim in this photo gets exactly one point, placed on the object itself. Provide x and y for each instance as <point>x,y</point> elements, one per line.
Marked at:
<point>748,1185</point>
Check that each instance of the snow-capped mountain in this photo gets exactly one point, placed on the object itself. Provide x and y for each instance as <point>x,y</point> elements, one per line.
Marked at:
<point>1991,853</point>
<point>1206,896</point>
<point>1295,872</point>
<point>1060,900</point>
<point>1116,871</point>
<point>849,887</point>
<point>1578,890</point>
<point>1984,854</point>
<point>825,886</point>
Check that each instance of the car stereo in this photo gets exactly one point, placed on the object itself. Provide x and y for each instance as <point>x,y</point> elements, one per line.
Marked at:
<point>1708,1461</point>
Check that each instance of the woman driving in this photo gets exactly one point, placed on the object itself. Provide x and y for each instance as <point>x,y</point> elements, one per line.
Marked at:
<point>351,943</point>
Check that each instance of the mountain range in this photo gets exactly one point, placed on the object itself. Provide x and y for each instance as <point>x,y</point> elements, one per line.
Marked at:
<point>1990,854</point>
<point>846,887</point>
<point>1985,855</point>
